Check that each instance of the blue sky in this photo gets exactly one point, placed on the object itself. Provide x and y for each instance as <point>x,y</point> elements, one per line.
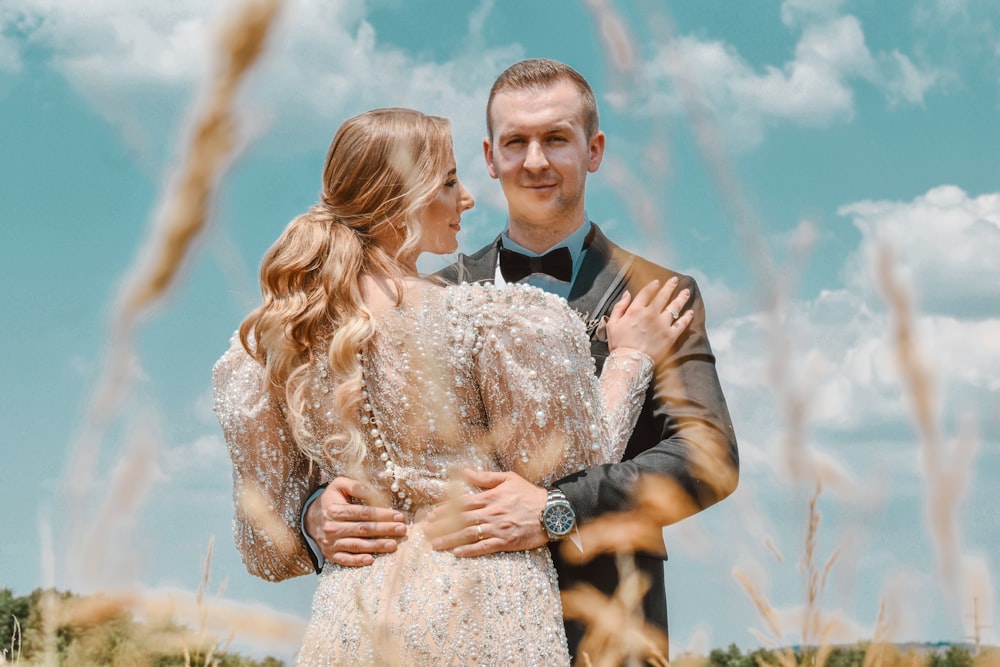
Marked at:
<point>768,148</point>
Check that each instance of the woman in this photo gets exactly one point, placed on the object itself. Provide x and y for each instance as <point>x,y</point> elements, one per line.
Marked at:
<point>355,366</point>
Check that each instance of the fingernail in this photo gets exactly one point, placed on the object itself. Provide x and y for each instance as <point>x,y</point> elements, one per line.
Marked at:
<point>399,530</point>
<point>398,517</point>
<point>673,280</point>
<point>389,545</point>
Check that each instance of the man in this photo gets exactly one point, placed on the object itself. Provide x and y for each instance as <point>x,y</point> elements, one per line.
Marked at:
<point>543,140</point>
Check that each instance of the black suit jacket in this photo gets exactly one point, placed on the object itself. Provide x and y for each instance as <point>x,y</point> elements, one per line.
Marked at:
<point>683,432</point>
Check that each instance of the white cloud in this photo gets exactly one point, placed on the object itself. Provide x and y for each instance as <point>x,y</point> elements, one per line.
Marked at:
<point>905,82</point>
<point>206,452</point>
<point>137,63</point>
<point>117,42</point>
<point>10,56</point>
<point>944,244</point>
<point>835,356</point>
<point>815,88</point>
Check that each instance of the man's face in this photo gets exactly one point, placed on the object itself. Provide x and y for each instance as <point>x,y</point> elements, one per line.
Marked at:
<point>541,155</point>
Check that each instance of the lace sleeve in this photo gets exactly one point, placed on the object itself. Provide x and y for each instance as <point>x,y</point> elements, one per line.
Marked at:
<point>271,477</point>
<point>548,415</point>
<point>623,383</point>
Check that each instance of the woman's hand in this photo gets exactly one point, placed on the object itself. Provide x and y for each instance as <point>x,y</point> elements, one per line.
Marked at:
<point>652,321</point>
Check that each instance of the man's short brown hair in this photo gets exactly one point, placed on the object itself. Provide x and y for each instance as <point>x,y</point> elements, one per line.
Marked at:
<point>542,73</point>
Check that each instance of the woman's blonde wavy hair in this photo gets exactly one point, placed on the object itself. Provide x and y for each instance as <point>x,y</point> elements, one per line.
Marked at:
<point>382,169</point>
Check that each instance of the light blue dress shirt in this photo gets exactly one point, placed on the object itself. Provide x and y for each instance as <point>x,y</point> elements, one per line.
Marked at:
<point>574,243</point>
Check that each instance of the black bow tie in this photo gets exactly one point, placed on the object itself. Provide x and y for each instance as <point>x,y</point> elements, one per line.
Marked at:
<point>557,263</point>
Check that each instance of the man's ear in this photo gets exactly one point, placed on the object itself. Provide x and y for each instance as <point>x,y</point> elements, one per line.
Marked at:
<point>597,143</point>
<point>488,154</point>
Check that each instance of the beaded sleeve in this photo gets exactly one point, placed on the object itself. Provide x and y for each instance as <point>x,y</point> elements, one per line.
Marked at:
<point>271,476</point>
<point>549,416</point>
<point>623,384</point>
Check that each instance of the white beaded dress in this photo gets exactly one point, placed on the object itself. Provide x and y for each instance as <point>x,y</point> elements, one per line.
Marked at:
<point>457,377</point>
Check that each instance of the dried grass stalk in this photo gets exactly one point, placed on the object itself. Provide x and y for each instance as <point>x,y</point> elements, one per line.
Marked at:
<point>815,631</point>
<point>876,651</point>
<point>616,630</point>
<point>213,141</point>
<point>659,501</point>
<point>945,473</point>
<point>183,215</point>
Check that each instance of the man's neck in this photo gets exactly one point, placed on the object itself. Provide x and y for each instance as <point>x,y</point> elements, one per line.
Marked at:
<point>539,238</point>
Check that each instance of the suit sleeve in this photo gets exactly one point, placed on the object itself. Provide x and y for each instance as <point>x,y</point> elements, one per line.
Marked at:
<point>684,434</point>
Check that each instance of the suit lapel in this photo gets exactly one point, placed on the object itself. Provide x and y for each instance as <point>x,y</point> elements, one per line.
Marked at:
<point>598,283</point>
<point>481,265</point>
<point>601,271</point>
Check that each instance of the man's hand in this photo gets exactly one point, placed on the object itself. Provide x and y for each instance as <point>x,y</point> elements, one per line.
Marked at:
<point>348,533</point>
<point>502,517</point>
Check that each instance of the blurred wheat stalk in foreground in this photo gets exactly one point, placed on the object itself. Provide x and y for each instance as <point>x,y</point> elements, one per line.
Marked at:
<point>617,633</point>
<point>210,148</point>
<point>212,143</point>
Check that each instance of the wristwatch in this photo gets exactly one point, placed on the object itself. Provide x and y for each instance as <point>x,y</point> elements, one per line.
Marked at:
<point>558,517</point>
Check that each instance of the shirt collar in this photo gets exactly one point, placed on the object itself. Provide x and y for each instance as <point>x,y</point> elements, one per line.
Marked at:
<point>574,243</point>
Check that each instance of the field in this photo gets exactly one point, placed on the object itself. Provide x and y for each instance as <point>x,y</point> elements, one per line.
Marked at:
<point>131,625</point>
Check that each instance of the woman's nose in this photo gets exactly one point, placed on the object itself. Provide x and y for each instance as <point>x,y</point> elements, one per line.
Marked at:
<point>467,201</point>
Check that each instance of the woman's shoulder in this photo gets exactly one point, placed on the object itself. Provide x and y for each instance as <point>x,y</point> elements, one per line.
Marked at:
<point>236,360</point>
<point>487,294</point>
<point>510,304</point>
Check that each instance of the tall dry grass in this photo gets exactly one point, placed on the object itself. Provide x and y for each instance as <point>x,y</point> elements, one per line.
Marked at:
<point>617,633</point>
<point>213,137</point>
<point>946,469</point>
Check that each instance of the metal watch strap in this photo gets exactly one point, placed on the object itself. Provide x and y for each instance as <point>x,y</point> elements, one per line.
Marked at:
<point>556,498</point>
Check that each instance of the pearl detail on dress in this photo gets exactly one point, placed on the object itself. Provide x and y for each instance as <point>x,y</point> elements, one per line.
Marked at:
<point>375,432</point>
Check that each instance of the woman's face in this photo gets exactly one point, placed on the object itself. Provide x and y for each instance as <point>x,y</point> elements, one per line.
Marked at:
<point>441,220</point>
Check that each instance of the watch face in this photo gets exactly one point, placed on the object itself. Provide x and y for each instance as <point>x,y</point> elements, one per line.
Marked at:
<point>559,519</point>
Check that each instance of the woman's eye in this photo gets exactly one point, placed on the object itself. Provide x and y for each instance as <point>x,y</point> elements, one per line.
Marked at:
<point>450,183</point>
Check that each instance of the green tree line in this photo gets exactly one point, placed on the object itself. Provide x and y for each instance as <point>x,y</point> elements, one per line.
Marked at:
<point>115,639</point>
<point>112,638</point>
<point>854,655</point>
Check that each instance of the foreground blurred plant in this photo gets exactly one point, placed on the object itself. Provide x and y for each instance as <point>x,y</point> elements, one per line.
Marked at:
<point>102,630</point>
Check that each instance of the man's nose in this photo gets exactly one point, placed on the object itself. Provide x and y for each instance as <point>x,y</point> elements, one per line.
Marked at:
<point>535,157</point>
